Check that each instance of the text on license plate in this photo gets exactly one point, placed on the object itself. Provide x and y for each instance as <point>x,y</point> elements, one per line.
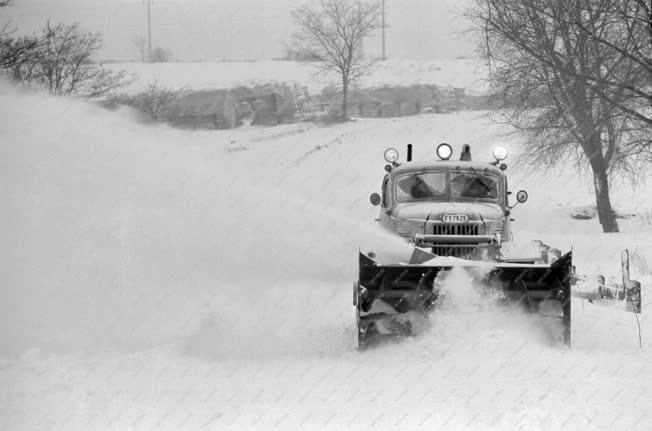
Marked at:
<point>456,218</point>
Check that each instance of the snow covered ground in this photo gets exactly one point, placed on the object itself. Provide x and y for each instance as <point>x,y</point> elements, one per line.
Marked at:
<point>160,279</point>
<point>465,73</point>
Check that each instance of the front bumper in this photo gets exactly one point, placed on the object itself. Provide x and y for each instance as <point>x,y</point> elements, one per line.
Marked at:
<point>425,240</point>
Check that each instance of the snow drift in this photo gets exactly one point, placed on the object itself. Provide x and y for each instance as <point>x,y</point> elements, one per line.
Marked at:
<point>113,227</point>
<point>155,278</point>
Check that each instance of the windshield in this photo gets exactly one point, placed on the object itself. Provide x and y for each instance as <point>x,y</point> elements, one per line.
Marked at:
<point>425,186</point>
<point>471,185</point>
<point>421,186</point>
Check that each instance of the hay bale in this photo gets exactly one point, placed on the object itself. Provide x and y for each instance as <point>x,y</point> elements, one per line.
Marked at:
<point>286,111</point>
<point>384,94</point>
<point>265,112</point>
<point>245,110</point>
<point>243,94</point>
<point>354,109</point>
<point>408,108</point>
<point>228,117</point>
<point>371,109</point>
<point>424,96</point>
<point>389,109</point>
<point>356,96</point>
<point>278,103</point>
<point>203,109</point>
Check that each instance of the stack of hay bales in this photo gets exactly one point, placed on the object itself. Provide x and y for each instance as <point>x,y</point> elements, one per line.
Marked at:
<point>206,109</point>
<point>266,105</point>
<point>396,101</point>
<point>276,103</point>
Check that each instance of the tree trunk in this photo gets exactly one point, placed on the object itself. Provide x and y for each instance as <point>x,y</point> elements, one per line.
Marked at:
<point>606,214</point>
<point>345,98</point>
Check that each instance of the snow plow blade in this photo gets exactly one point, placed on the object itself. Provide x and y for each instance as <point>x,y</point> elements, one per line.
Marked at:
<point>410,287</point>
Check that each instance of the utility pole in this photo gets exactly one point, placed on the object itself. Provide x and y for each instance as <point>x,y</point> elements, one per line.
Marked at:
<point>149,30</point>
<point>383,15</point>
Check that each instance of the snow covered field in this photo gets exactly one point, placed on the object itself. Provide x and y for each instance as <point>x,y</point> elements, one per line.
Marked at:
<point>465,73</point>
<point>161,279</point>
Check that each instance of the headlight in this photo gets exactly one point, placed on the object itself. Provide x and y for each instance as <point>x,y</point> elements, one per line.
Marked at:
<point>391,155</point>
<point>500,153</point>
<point>444,151</point>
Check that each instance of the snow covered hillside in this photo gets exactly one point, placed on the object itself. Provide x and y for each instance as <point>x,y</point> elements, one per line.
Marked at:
<point>464,73</point>
<point>163,279</point>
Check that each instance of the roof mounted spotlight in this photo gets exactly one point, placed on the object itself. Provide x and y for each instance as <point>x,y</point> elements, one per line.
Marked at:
<point>500,153</point>
<point>444,151</point>
<point>391,155</point>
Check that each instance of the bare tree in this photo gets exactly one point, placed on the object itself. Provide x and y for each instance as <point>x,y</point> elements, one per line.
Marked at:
<point>17,56</point>
<point>155,99</point>
<point>61,60</point>
<point>292,53</point>
<point>4,27</point>
<point>621,30</point>
<point>67,67</point>
<point>551,73</point>
<point>331,32</point>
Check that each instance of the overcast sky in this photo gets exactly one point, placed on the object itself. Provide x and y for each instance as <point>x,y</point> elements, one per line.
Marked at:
<point>239,29</point>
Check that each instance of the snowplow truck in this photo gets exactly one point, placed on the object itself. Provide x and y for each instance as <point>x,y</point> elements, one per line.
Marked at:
<point>454,213</point>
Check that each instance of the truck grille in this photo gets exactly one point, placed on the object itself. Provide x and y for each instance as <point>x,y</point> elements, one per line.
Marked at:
<point>455,250</point>
<point>455,229</point>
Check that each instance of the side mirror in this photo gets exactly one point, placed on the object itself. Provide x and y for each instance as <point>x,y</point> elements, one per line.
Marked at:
<point>374,199</point>
<point>521,196</point>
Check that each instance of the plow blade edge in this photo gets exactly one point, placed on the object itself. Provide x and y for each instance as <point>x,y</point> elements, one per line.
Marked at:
<point>403,288</point>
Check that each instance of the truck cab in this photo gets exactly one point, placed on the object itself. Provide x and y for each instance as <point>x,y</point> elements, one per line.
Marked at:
<point>455,208</point>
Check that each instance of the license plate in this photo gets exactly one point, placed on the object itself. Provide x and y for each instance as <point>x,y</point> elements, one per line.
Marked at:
<point>456,218</point>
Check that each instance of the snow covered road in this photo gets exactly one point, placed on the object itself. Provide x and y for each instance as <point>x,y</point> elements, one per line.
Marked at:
<point>161,279</point>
